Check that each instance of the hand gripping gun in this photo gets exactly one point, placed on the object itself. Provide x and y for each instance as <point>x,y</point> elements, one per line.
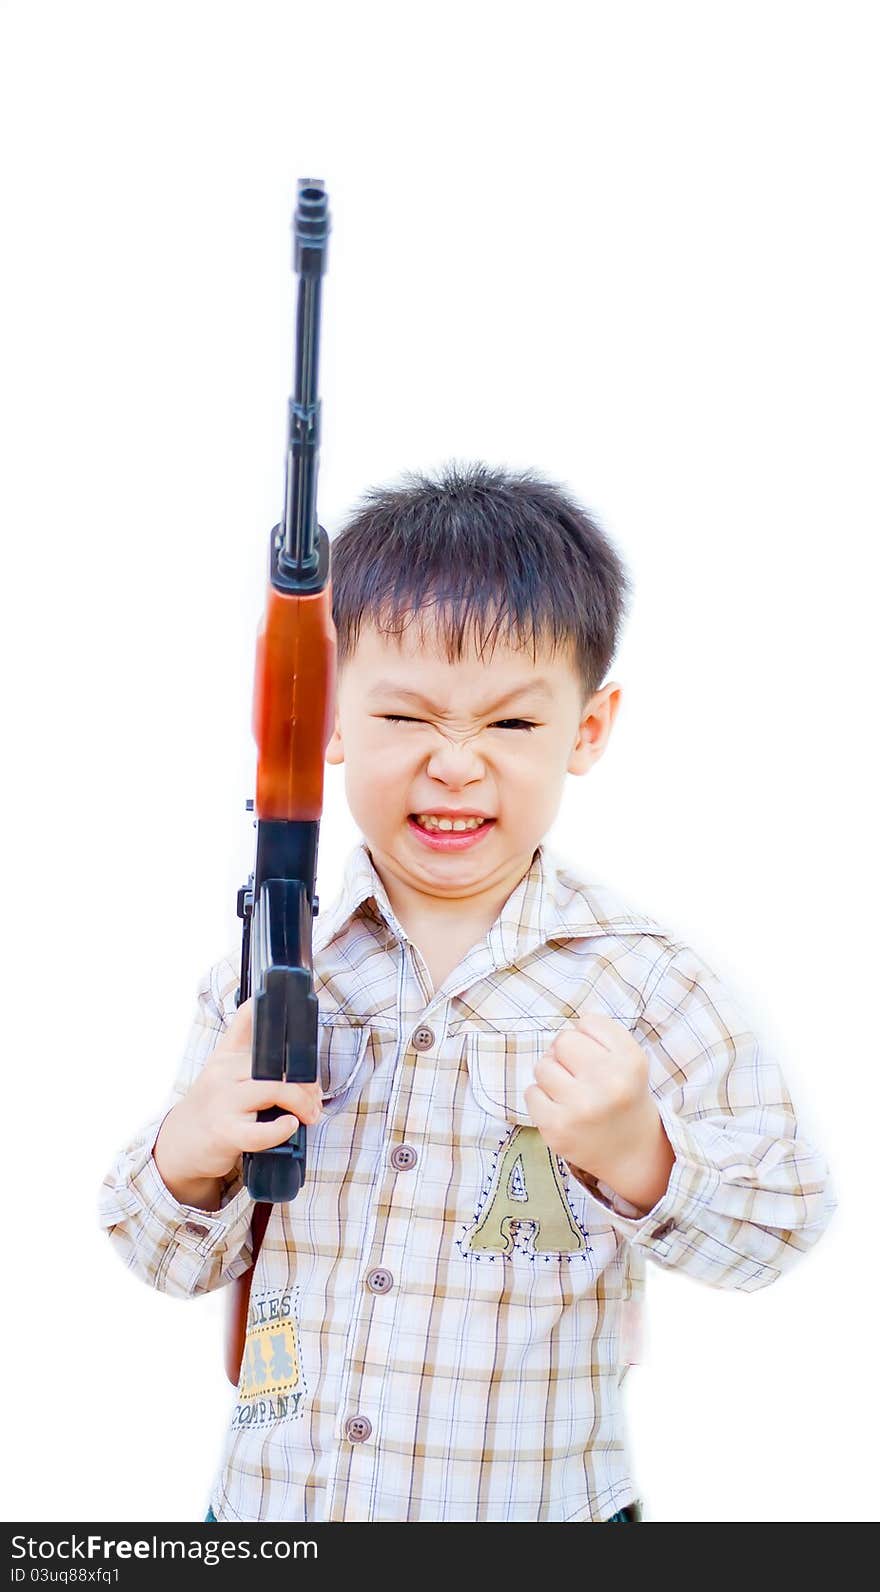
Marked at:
<point>292,722</point>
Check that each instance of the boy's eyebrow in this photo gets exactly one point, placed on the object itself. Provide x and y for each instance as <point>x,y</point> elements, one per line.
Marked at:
<point>538,687</point>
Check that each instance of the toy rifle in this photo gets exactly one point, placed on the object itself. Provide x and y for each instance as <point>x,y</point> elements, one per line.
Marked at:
<point>292,722</point>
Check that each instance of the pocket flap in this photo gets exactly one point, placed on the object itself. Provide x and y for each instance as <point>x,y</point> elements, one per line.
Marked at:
<point>341,1051</point>
<point>502,1067</point>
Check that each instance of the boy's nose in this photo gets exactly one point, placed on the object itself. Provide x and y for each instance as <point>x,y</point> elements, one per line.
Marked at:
<point>455,746</point>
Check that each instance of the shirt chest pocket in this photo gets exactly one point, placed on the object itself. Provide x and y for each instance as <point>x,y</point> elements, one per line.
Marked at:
<point>502,1066</point>
<point>342,1053</point>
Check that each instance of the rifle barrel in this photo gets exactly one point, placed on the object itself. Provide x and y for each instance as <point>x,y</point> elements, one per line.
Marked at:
<point>298,554</point>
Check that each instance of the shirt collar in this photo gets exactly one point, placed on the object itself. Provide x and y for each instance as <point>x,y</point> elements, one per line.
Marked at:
<point>553,900</point>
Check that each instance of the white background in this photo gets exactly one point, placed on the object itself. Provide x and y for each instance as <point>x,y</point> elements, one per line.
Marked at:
<point>633,246</point>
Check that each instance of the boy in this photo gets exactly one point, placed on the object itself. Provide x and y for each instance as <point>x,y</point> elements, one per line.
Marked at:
<point>526,1086</point>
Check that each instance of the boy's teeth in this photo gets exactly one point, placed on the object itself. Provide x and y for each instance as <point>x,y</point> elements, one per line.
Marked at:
<point>427,821</point>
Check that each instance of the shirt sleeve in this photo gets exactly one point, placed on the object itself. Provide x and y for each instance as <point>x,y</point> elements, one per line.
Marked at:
<point>747,1194</point>
<point>180,1249</point>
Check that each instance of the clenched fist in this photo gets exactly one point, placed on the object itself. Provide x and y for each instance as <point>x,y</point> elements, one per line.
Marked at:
<point>592,1105</point>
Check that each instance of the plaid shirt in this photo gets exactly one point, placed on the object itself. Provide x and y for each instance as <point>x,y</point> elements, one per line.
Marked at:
<point>441,1320</point>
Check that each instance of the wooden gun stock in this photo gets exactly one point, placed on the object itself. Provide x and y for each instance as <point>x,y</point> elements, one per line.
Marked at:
<point>239,1303</point>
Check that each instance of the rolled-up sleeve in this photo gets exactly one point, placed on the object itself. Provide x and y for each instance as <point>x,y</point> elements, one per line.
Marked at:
<point>747,1194</point>
<point>179,1249</point>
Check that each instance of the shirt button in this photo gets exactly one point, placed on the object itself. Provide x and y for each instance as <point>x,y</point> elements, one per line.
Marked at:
<point>380,1280</point>
<point>663,1229</point>
<point>423,1038</point>
<point>357,1428</point>
<point>196,1229</point>
<point>403,1157</point>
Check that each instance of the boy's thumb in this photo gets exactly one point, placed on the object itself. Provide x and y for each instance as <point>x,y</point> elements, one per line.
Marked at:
<point>242,1020</point>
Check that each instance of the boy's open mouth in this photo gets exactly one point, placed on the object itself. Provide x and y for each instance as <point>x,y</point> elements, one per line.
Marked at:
<point>448,834</point>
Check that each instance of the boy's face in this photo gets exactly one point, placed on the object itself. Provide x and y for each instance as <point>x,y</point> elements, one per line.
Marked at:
<point>462,745</point>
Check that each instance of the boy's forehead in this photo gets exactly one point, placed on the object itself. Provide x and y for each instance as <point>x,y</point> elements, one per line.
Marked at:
<point>419,655</point>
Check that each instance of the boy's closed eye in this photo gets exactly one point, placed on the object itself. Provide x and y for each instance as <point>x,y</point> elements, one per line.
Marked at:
<point>399,718</point>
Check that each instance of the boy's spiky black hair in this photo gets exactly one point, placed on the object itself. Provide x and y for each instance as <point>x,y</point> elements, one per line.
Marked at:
<point>490,552</point>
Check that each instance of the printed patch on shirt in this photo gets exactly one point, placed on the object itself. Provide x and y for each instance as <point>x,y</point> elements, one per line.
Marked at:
<point>271,1387</point>
<point>526,1189</point>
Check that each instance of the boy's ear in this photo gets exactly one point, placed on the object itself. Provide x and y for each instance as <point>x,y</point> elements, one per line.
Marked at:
<point>334,752</point>
<point>595,728</point>
<point>615,692</point>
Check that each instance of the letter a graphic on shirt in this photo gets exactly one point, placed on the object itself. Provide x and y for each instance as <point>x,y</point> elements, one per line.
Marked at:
<point>527,1187</point>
